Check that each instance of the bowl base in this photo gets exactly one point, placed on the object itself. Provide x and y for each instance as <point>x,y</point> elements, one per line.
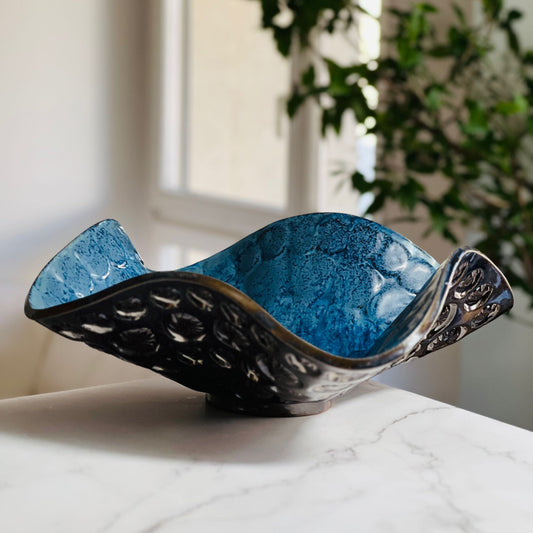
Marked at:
<point>237,405</point>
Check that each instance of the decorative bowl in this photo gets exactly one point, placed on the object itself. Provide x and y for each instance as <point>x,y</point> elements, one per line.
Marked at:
<point>278,324</point>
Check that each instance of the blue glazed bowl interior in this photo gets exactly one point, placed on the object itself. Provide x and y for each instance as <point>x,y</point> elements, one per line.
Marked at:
<point>101,257</point>
<point>334,280</point>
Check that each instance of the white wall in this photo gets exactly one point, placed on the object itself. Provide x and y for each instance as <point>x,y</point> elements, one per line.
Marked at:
<point>73,150</point>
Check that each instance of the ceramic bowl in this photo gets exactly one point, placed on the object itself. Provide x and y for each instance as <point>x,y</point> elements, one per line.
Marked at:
<point>280,323</point>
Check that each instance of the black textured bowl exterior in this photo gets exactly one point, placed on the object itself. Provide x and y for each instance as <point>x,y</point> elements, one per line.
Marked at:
<point>209,336</point>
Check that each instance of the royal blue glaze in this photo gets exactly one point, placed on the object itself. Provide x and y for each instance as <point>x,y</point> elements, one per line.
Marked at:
<point>335,280</point>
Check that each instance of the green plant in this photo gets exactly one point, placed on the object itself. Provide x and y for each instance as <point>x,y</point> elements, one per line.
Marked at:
<point>452,107</point>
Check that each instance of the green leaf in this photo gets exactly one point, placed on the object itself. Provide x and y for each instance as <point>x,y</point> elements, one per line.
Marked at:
<point>417,24</point>
<point>448,234</point>
<point>530,125</point>
<point>439,220</point>
<point>377,204</point>
<point>308,77</point>
<point>452,198</point>
<point>492,8</point>
<point>283,38</point>
<point>270,9</point>
<point>440,51</point>
<point>459,41</point>
<point>521,103</point>
<point>518,105</point>
<point>399,13</point>
<point>434,97</point>
<point>360,108</point>
<point>365,12</point>
<point>514,14</point>
<point>337,78</point>
<point>332,117</point>
<point>426,8</point>
<point>360,183</point>
<point>408,56</point>
<point>514,43</point>
<point>294,102</point>
<point>527,58</point>
<point>477,124</point>
<point>422,157</point>
<point>506,108</point>
<point>459,13</point>
<point>408,193</point>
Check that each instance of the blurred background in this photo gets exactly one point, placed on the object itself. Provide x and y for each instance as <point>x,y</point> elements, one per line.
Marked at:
<point>169,116</point>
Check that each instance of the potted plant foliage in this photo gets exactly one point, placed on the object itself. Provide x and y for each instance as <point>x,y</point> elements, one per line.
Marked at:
<point>451,105</point>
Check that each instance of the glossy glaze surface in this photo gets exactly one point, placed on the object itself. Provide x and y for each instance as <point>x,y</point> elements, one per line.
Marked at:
<point>335,280</point>
<point>101,257</point>
<point>282,322</point>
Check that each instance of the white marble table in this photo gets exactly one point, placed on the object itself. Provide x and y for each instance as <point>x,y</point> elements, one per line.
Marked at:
<point>150,456</point>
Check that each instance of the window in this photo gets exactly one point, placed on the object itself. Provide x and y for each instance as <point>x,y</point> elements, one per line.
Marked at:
<point>228,159</point>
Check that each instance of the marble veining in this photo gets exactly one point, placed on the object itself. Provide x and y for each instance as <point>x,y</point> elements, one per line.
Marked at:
<point>152,457</point>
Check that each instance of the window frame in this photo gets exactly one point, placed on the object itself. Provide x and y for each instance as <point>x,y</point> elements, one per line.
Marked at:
<point>170,21</point>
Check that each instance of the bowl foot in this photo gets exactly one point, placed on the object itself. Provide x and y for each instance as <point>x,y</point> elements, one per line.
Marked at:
<point>237,405</point>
